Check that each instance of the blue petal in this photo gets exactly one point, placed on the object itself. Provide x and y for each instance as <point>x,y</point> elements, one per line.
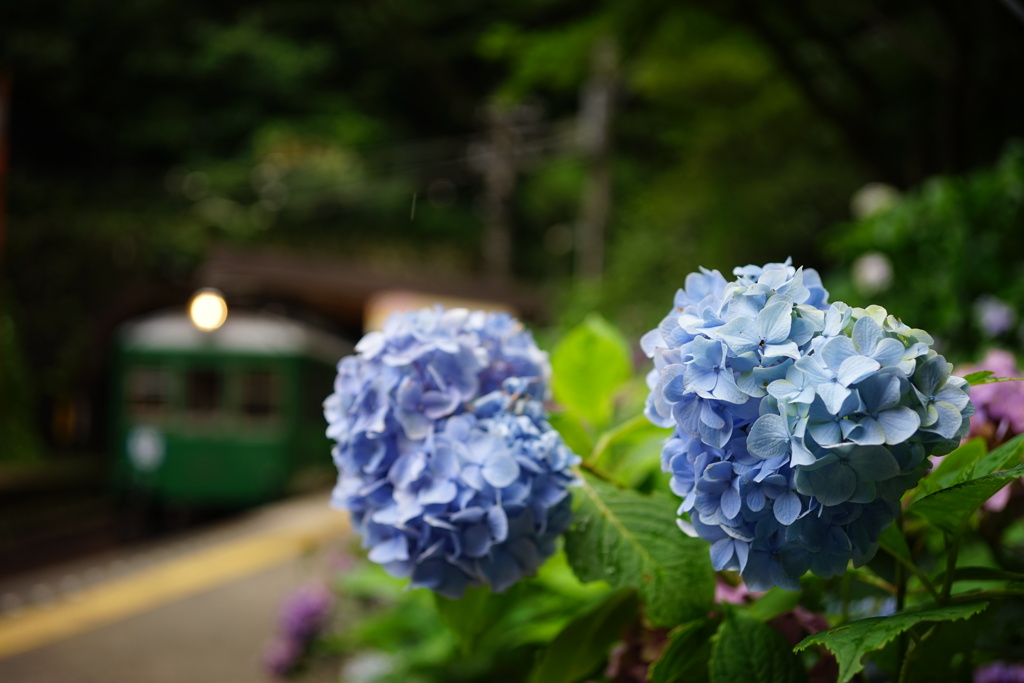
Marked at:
<point>497,523</point>
<point>949,420</point>
<point>407,468</point>
<point>899,424</point>
<point>709,417</point>
<point>726,390</point>
<point>472,475</point>
<point>825,433</point>
<point>396,548</point>
<point>675,388</point>
<point>836,351</point>
<point>832,395</point>
<point>953,393</point>
<point>437,491</point>
<point>813,370</point>
<point>867,432</point>
<point>687,414</point>
<point>707,352</point>
<point>721,471</point>
<point>731,502</point>
<point>879,392</point>
<point>468,515</point>
<point>889,352</point>
<point>786,390</point>
<point>787,349</point>
<point>874,463</point>
<point>787,508</point>
<point>856,368</point>
<point>500,470</point>
<point>803,328</point>
<point>701,379</point>
<point>739,334</point>
<point>501,571</point>
<point>866,335</point>
<point>833,485</point>
<point>476,540</point>
<point>723,555</point>
<point>801,454</point>
<point>931,373</point>
<point>742,553</point>
<point>437,404</point>
<point>774,321</point>
<point>769,437</point>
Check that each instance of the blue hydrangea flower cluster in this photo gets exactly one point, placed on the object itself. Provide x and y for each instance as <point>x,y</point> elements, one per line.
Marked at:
<point>446,461</point>
<point>798,425</point>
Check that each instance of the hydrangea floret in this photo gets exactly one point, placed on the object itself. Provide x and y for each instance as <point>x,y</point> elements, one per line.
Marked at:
<point>797,424</point>
<point>446,461</point>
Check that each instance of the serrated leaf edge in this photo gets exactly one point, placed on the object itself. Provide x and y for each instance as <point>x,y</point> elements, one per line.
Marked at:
<point>858,666</point>
<point>624,530</point>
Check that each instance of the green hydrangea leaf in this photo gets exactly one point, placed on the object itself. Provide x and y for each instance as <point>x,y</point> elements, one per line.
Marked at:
<point>686,655</point>
<point>588,366</point>
<point>955,468</point>
<point>632,540</point>
<point>773,603</point>
<point>986,377</point>
<point>470,617</point>
<point>1004,457</point>
<point>981,574</point>
<point>852,641</point>
<point>629,452</point>
<point>748,650</point>
<point>980,377</point>
<point>582,646</point>
<point>950,508</point>
<point>893,542</point>
<point>574,433</point>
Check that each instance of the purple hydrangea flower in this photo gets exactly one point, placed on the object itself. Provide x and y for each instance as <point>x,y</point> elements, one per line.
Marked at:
<point>999,406</point>
<point>305,612</point>
<point>282,656</point>
<point>798,425</point>
<point>1000,672</point>
<point>303,615</point>
<point>446,461</point>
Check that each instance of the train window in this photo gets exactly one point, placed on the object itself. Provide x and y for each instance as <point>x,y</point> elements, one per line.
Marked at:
<point>147,391</point>
<point>258,394</point>
<point>203,391</point>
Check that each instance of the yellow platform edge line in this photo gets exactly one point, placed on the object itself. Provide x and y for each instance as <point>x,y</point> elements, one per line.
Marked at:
<point>155,586</point>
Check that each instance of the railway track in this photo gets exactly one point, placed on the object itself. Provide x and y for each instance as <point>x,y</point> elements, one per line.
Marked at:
<point>41,529</point>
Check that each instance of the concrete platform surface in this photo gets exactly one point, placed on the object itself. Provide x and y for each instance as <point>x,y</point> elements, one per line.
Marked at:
<point>195,609</point>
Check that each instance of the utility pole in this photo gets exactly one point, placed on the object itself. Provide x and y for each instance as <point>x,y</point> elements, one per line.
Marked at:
<point>5,115</point>
<point>596,105</point>
<point>497,162</point>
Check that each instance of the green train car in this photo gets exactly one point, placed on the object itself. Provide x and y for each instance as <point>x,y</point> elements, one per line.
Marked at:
<point>224,418</point>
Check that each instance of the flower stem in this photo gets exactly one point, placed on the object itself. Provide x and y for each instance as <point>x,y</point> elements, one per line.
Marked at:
<point>902,564</point>
<point>606,439</point>
<point>952,550</point>
<point>596,471</point>
<point>975,596</point>
<point>901,599</point>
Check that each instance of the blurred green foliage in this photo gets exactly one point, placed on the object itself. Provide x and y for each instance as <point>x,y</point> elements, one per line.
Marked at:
<point>954,244</point>
<point>144,134</point>
<point>20,443</point>
<point>407,636</point>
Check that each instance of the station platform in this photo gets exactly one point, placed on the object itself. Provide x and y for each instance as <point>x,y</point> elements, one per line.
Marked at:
<point>196,607</point>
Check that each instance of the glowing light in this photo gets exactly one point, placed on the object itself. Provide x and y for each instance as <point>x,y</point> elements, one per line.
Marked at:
<point>208,310</point>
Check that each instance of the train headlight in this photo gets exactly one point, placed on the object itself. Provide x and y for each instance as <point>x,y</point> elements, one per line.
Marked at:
<point>208,310</point>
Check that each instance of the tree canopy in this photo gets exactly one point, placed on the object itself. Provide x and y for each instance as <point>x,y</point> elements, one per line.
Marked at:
<point>143,133</point>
